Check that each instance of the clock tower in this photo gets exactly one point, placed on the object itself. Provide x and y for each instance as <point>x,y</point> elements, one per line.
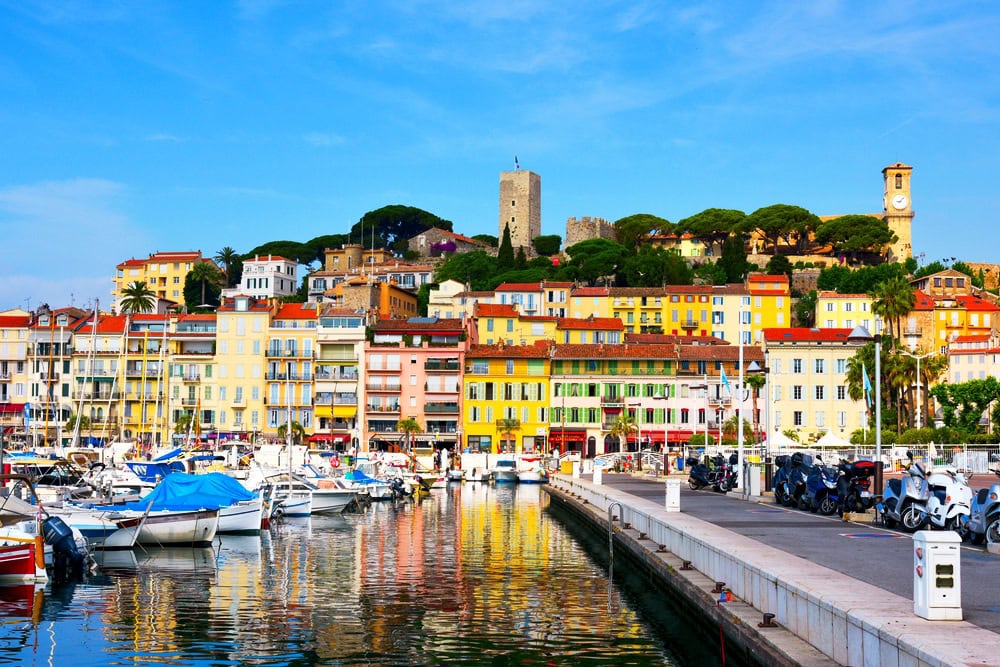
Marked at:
<point>897,209</point>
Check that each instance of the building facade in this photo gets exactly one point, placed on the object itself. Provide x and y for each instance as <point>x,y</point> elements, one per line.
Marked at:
<point>520,208</point>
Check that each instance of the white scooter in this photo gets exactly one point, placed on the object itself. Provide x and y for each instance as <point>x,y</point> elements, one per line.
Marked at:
<point>950,502</point>
<point>984,522</point>
<point>904,501</point>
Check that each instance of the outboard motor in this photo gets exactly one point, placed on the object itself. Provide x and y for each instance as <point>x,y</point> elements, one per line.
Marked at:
<point>66,557</point>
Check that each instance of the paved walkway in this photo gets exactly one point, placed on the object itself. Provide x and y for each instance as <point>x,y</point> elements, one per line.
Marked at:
<point>879,557</point>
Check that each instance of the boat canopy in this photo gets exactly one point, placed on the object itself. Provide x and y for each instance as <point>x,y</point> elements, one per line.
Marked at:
<point>181,491</point>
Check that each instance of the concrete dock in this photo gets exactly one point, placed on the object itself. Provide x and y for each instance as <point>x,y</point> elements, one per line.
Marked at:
<point>840,593</point>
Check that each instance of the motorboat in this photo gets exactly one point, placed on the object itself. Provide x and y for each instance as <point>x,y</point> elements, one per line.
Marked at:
<point>504,472</point>
<point>196,528</point>
<point>455,475</point>
<point>101,530</point>
<point>323,499</point>
<point>532,471</point>
<point>375,489</point>
<point>22,557</point>
<point>477,475</point>
<point>52,479</point>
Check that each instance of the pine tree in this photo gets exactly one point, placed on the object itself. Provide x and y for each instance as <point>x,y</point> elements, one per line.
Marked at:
<point>505,255</point>
<point>521,261</point>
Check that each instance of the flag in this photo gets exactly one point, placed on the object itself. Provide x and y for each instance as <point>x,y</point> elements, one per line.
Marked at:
<point>867,384</point>
<point>27,417</point>
<point>725,381</point>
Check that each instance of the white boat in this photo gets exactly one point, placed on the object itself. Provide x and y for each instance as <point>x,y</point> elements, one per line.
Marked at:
<point>179,528</point>
<point>532,471</point>
<point>294,504</point>
<point>365,484</point>
<point>477,475</point>
<point>455,475</point>
<point>323,500</point>
<point>242,517</point>
<point>101,529</point>
<point>504,471</point>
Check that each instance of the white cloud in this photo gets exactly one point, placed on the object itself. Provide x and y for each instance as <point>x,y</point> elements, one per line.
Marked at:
<point>60,232</point>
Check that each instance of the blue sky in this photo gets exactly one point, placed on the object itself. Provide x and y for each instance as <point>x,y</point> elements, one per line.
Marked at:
<point>131,127</point>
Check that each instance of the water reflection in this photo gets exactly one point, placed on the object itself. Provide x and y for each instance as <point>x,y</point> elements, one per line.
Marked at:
<point>470,575</point>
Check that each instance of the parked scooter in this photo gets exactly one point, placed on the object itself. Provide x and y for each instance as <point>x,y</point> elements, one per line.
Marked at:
<point>720,477</point>
<point>950,504</point>
<point>782,467</point>
<point>854,486</point>
<point>699,474</point>
<point>795,485</point>
<point>984,520</point>
<point>904,501</point>
<point>821,489</point>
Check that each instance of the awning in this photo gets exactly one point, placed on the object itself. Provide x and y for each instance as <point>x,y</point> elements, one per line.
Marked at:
<point>566,435</point>
<point>320,437</point>
<point>12,408</point>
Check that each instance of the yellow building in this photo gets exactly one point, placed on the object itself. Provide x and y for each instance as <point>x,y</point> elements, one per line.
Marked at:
<point>844,311</point>
<point>163,273</point>
<point>192,376</point>
<point>685,245</point>
<point>13,369</point>
<point>242,333</point>
<point>808,376</point>
<point>589,302</point>
<point>506,389</point>
<point>290,366</point>
<point>340,389</point>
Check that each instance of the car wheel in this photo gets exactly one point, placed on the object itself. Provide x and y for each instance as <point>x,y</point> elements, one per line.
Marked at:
<point>912,518</point>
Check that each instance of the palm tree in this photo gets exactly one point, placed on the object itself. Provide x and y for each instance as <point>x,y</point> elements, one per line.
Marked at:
<point>227,257</point>
<point>508,427</point>
<point>622,427</point>
<point>183,423</point>
<point>891,300</point>
<point>298,433</point>
<point>207,275</point>
<point>137,298</point>
<point>409,427</point>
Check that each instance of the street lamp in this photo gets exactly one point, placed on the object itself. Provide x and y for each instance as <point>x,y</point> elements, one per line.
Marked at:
<point>705,387</point>
<point>920,382</point>
<point>860,333</point>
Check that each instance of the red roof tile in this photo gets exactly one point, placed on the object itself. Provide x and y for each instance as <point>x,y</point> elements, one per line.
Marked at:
<point>602,323</point>
<point>296,311</point>
<point>494,310</point>
<point>802,334</point>
<point>14,320</point>
<point>590,291</point>
<point>519,287</point>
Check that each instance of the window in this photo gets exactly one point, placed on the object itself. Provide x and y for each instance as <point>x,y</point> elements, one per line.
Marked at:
<point>796,365</point>
<point>819,391</point>
<point>819,366</point>
<point>841,393</point>
<point>797,392</point>
<point>820,419</point>
<point>797,418</point>
<point>841,366</point>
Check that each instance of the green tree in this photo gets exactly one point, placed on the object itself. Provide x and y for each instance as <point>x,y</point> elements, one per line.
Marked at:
<point>301,295</point>
<point>488,239</point>
<point>977,277</point>
<point>756,382</point>
<point>734,260</point>
<point>300,252</point>
<point>856,235</point>
<point>424,297</point>
<point>593,259</point>
<point>393,226</point>
<point>475,269</point>
<point>505,255</point>
<point>778,265</point>
<point>805,309</point>
<point>713,225</point>
<point>699,440</point>
<point>316,247</point>
<point>137,298</point>
<point>298,433</point>
<point>927,269</point>
<point>508,433</point>
<point>656,266</point>
<point>546,246</point>
<point>409,427</point>
<point>520,259</point>
<point>963,404</point>
<point>623,426</point>
<point>227,257</point>
<point>183,422</point>
<point>203,286</point>
<point>780,221</point>
<point>891,300</point>
<point>633,231</point>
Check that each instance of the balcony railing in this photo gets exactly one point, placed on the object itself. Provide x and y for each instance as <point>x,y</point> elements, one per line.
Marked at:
<point>612,400</point>
<point>441,407</point>
<point>511,424</point>
<point>239,402</point>
<point>139,372</point>
<point>191,377</point>
<point>382,408</point>
<point>97,396</point>
<point>346,400</point>
<point>689,324</point>
<point>289,376</point>
<point>189,402</point>
<point>442,365</point>
<point>439,389</point>
<point>378,386</point>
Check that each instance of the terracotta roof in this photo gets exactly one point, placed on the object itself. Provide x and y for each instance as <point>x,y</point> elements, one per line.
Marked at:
<point>296,311</point>
<point>197,317</point>
<point>464,239</point>
<point>974,350</point>
<point>494,310</point>
<point>719,353</point>
<point>921,301</point>
<point>590,291</point>
<point>331,310</point>
<point>976,338</point>
<point>519,287</point>
<point>673,339</point>
<point>602,323</point>
<point>616,351</point>
<point>802,334</point>
<point>766,278</point>
<point>420,324</point>
<point>503,351</point>
<point>14,320</point>
<point>970,302</point>
<point>833,294</point>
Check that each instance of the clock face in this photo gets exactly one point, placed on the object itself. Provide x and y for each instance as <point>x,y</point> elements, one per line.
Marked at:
<point>899,201</point>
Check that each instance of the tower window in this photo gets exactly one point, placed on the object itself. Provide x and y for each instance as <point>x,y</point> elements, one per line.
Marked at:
<point>512,218</point>
<point>513,202</point>
<point>899,181</point>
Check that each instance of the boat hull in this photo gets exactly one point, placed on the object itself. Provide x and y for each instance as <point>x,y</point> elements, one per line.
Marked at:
<point>18,564</point>
<point>504,477</point>
<point>242,517</point>
<point>331,501</point>
<point>104,532</point>
<point>197,528</point>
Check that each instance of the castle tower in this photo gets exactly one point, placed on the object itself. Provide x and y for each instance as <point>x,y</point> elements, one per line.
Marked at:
<point>521,207</point>
<point>897,209</point>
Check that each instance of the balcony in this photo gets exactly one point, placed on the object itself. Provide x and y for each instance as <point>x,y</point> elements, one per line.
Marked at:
<point>382,408</point>
<point>913,332</point>
<point>191,377</point>
<point>442,365</point>
<point>378,386</point>
<point>4,375</point>
<point>510,424</point>
<point>239,403</point>
<point>346,399</point>
<point>438,389</point>
<point>48,376</point>
<point>139,372</point>
<point>448,408</point>
<point>289,354</point>
<point>189,402</point>
<point>689,324</point>
<point>612,400</point>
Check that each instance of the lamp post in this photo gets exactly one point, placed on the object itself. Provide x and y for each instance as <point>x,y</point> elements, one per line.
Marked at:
<point>705,387</point>
<point>860,333</point>
<point>739,413</point>
<point>920,382</point>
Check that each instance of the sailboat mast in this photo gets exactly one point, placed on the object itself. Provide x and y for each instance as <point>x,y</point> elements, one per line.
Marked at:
<point>88,371</point>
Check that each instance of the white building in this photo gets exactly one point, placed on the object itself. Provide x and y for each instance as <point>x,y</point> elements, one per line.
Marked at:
<point>266,277</point>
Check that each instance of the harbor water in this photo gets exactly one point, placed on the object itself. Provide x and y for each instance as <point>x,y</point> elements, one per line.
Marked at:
<point>472,575</point>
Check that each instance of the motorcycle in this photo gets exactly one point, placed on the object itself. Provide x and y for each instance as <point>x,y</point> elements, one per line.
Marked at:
<point>720,478</point>
<point>854,485</point>
<point>904,501</point>
<point>984,519</point>
<point>783,466</point>
<point>821,489</point>
<point>796,483</point>
<point>950,504</point>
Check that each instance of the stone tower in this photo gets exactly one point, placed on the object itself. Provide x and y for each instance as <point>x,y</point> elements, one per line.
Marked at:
<point>897,209</point>
<point>520,207</point>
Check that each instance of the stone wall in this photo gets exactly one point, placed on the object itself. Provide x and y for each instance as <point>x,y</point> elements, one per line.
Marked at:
<point>585,228</point>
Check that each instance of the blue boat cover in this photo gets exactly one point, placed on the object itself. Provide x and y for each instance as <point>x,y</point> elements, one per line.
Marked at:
<point>181,491</point>
<point>166,456</point>
<point>151,472</point>
<point>359,477</point>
